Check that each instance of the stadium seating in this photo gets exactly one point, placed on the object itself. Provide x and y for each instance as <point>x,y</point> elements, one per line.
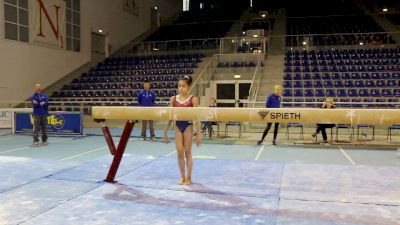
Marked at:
<point>370,77</point>
<point>120,79</point>
<point>335,30</point>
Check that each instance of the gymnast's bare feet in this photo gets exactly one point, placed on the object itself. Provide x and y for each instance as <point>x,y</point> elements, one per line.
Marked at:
<point>182,181</point>
<point>188,181</point>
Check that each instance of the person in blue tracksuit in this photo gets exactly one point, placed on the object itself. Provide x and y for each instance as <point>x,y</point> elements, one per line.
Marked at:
<point>146,98</point>
<point>273,101</point>
<point>40,103</point>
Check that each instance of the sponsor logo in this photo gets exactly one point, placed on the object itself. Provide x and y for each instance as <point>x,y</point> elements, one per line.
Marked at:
<point>264,114</point>
<point>57,121</point>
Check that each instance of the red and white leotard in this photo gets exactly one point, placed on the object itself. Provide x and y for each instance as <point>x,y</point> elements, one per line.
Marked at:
<point>187,103</point>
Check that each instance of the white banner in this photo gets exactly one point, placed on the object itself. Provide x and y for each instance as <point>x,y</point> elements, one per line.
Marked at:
<point>47,23</point>
<point>5,119</point>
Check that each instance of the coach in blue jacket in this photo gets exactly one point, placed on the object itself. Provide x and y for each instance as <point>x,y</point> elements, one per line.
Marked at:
<point>273,101</point>
<point>40,103</point>
<point>146,98</point>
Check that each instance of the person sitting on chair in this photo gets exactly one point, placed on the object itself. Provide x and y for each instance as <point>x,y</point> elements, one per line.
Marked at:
<point>328,104</point>
<point>208,124</point>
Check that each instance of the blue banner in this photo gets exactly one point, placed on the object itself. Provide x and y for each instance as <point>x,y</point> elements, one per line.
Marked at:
<point>58,123</point>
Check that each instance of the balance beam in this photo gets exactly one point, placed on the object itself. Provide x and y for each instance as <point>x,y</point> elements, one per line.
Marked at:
<point>281,115</point>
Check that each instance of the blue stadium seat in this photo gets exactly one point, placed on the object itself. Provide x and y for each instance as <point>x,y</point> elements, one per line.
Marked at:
<point>287,93</point>
<point>370,83</point>
<point>364,93</point>
<point>328,84</point>
<point>318,84</point>
<point>298,93</point>
<point>348,83</point>
<point>306,76</point>
<point>375,93</point>
<point>338,83</point>
<point>359,83</point>
<point>308,84</point>
<point>297,76</point>
<point>319,93</point>
<point>387,93</point>
<point>352,93</point>
<point>298,84</point>
<point>330,93</point>
<point>396,92</point>
<point>309,92</point>
<point>287,84</point>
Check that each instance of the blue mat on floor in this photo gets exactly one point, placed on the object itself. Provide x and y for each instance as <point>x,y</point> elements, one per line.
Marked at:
<point>120,204</point>
<point>30,200</point>
<point>340,183</point>
<point>16,171</point>
<point>248,178</point>
<point>97,170</point>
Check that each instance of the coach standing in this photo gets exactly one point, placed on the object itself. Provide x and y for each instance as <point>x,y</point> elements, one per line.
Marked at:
<point>146,98</point>
<point>40,104</point>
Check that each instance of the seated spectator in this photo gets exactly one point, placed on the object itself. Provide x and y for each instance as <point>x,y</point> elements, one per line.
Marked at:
<point>207,125</point>
<point>328,104</point>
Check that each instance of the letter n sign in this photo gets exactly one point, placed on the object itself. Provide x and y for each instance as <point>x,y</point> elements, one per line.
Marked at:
<point>47,20</point>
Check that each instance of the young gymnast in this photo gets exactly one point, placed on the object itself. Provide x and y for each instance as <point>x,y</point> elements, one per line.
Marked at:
<point>184,130</point>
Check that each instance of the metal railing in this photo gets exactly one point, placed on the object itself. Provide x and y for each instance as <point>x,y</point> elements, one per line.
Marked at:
<point>207,45</point>
<point>336,41</point>
<point>255,84</point>
<point>203,80</point>
<point>207,74</point>
<point>83,106</point>
<point>318,104</point>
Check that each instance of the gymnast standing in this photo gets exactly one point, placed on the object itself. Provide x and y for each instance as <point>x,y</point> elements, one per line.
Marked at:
<point>184,130</point>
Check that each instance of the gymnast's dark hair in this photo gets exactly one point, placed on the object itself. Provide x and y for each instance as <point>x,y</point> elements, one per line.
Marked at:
<point>187,79</point>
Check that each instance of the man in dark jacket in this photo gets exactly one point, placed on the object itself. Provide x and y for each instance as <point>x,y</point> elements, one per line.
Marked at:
<point>40,103</point>
<point>146,98</point>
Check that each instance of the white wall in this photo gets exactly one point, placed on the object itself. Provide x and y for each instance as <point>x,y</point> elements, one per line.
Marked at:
<point>122,26</point>
<point>22,64</point>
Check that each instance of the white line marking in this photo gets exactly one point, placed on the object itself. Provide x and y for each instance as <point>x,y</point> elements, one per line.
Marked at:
<point>171,153</point>
<point>259,152</point>
<point>15,149</point>
<point>21,148</point>
<point>94,150</point>
<point>84,153</point>
<point>65,139</point>
<point>204,157</point>
<point>347,156</point>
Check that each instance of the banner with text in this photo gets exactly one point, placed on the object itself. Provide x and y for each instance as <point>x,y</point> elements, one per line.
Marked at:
<point>5,119</point>
<point>58,123</point>
<point>47,22</point>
